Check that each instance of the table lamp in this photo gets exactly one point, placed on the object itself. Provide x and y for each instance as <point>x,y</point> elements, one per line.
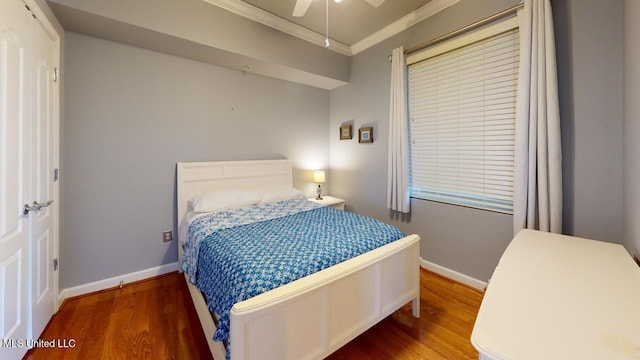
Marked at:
<point>318,177</point>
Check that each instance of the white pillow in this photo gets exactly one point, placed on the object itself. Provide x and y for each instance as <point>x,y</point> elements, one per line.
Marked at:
<point>224,199</point>
<point>274,193</point>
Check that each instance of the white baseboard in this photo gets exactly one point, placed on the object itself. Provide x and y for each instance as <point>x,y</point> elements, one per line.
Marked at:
<point>454,275</point>
<point>115,281</point>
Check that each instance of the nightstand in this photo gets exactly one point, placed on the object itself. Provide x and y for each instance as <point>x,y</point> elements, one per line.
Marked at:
<point>334,202</point>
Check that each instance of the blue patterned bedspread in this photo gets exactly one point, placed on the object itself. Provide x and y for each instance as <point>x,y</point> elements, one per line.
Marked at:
<point>230,257</point>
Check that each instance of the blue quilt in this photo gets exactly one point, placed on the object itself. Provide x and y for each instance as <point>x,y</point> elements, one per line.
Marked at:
<point>234,255</point>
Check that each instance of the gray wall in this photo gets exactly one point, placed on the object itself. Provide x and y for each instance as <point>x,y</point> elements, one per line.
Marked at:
<point>632,126</point>
<point>589,42</point>
<point>589,47</point>
<point>200,31</point>
<point>131,114</point>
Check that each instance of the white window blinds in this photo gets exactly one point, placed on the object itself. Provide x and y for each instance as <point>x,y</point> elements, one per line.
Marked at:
<point>462,97</point>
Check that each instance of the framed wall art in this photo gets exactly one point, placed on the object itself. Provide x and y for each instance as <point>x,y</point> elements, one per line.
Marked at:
<point>345,132</point>
<point>365,135</point>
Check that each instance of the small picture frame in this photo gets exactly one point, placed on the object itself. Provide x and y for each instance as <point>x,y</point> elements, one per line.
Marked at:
<point>365,135</point>
<point>345,132</point>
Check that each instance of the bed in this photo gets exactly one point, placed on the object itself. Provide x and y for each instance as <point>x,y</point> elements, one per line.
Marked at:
<point>312,316</point>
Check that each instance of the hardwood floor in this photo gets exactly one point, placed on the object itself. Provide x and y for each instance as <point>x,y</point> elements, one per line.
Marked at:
<point>448,311</point>
<point>150,319</point>
<point>155,319</point>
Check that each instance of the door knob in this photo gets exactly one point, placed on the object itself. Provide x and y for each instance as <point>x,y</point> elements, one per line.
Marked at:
<point>36,206</point>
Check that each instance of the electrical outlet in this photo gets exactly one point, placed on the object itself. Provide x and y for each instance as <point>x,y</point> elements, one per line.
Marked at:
<point>167,236</point>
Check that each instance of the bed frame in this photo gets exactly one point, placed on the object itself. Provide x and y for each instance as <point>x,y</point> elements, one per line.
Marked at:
<point>311,317</point>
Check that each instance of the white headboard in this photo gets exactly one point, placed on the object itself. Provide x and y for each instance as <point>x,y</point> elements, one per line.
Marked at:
<point>197,177</point>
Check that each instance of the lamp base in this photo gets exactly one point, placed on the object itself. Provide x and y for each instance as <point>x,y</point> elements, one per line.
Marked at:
<point>319,192</point>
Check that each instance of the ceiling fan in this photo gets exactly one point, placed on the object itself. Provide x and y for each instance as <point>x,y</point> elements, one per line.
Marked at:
<point>302,5</point>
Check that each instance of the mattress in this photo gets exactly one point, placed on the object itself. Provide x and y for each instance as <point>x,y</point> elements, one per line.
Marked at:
<point>234,255</point>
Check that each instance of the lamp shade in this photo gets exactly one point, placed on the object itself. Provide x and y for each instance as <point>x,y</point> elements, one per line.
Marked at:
<point>318,177</point>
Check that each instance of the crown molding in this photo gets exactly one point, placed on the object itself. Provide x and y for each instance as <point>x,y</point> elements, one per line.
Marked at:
<point>402,24</point>
<point>266,18</point>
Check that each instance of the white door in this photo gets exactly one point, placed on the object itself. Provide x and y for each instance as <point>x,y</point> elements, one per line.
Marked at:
<point>26,160</point>
<point>41,222</point>
<point>14,178</point>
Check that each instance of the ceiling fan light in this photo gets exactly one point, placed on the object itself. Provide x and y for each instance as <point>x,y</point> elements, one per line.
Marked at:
<point>375,3</point>
<point>301,7</point>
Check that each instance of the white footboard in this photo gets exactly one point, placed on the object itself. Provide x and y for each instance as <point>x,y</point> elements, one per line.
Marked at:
<point>312,317</point>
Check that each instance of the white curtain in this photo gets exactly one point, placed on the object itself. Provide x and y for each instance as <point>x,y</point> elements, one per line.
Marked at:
<point>398,171</point>
<point>538,161</point>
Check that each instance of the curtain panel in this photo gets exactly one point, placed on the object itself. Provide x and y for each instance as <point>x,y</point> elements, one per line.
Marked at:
<point>398,155</point>
<point>538,159</point>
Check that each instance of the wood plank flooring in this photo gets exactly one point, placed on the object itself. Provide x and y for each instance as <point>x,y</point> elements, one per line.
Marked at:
<point>447,313</point>
<point>155,319</point>
<point>150,319</point>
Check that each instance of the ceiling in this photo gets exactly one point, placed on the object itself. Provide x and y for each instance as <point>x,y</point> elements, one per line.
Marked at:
<point>354,25</point>
<point>350,21</point>
<point>253,36</point>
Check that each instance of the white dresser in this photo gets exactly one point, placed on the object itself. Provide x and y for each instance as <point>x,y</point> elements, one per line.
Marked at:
<point>560,297</point>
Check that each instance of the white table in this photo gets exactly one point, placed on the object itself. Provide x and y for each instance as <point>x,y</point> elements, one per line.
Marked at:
<point>330,201</point>
<point>560,297</point>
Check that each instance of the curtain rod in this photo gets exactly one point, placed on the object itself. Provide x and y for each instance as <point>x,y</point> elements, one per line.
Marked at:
<point>454,33</point>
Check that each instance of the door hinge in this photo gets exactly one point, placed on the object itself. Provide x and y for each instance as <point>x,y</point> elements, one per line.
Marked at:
<point>55,264</point>
<point>56,174</point>
<point>30,11</point>
<point>55,74</point>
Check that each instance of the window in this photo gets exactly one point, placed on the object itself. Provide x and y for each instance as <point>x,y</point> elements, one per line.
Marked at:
<point>462,99</point>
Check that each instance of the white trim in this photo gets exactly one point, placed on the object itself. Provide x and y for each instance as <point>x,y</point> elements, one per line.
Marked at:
<point>453,275</point>
<point>43,20</point>
<point>266,18</point>
<point>115,281</point>
<point>402,24</point>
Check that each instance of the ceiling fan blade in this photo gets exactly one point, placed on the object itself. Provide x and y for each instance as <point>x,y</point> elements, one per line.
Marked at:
<point>375,3</point>
<point>301,7</point>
